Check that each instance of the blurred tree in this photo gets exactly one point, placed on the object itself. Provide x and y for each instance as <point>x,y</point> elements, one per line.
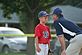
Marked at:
<point>76,3</point>
<point>28,10</point>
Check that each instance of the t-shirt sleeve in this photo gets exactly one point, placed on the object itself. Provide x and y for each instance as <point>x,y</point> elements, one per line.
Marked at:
<point>59,30</point>
<point>37,32</point>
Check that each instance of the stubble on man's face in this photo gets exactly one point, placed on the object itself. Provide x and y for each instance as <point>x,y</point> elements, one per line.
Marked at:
<point>55,17</point>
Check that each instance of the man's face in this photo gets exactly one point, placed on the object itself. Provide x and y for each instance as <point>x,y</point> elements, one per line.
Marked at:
<point>44,19</point>
<point>55,17</point>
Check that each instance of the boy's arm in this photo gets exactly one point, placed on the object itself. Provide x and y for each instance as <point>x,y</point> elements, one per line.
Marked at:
<point>49,45</point>
<point>49,38</point>
<point>37,45</point>
<point>36,42</point>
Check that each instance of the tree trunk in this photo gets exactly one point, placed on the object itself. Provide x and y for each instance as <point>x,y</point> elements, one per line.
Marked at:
<point>30,46</point>
<point>27,23</point>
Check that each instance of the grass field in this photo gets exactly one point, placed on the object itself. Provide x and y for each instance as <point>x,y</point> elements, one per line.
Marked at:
<point>13,54</point>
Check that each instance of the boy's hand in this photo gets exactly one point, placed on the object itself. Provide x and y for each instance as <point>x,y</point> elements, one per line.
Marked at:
<point>38,49</point>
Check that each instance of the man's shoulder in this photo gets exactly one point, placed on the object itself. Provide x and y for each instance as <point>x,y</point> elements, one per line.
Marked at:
<point>60,20</point>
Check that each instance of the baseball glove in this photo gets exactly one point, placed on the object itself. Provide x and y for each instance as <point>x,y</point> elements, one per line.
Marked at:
<point>50,52</point>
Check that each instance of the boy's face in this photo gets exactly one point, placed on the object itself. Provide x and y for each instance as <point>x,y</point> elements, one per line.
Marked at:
<point>43,19</point>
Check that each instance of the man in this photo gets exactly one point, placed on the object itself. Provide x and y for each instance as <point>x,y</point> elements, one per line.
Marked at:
<point>70,31</point>
<point>42,34</point>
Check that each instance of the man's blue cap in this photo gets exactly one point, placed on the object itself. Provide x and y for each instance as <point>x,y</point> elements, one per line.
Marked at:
<point>43,13</point>
<point>57,11</point>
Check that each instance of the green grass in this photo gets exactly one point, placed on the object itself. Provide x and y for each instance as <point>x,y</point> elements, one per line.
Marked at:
<point>13,54</point>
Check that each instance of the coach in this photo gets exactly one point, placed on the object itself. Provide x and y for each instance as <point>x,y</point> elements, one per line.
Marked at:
<point>70,31</point>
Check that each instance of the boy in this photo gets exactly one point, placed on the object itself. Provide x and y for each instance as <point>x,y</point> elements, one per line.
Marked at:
<point>42,34</point>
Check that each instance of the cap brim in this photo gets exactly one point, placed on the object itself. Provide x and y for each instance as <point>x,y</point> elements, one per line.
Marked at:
<point>45,15</point>
<point>48,15</point>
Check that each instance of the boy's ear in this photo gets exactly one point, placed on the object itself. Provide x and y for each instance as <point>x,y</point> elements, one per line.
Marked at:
<point>39,18</point>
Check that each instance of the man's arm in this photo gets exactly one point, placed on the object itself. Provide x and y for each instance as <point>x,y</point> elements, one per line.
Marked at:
<point>49,45</point>
<point>59,32</point>
<point>62,42</point>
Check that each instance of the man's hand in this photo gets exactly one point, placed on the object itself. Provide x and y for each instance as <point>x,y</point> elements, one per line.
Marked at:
<point>63,52</point>
<point>38,49</point>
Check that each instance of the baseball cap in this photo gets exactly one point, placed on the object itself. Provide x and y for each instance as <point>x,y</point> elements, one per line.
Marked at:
<point>43,13</point>
<point>57,11</point>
